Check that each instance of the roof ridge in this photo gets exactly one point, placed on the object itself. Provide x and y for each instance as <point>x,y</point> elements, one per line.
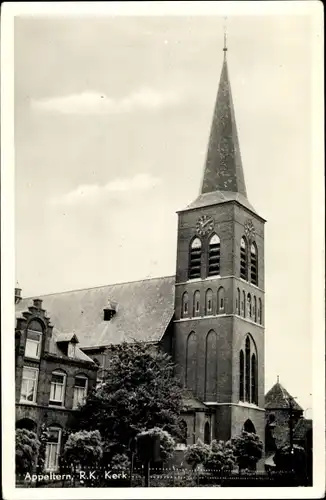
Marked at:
<point>98,286</point>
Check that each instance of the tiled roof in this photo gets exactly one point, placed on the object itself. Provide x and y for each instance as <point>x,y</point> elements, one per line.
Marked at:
<point>217,197</point>
<point>223,168</point>
<point>303,426</point>
<point>145,309</point>
<point>55,349</point>
<point>278,397</point>
<point>191,402</point>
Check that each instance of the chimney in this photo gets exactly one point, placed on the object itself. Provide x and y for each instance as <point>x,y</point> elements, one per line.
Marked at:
<point>37,303</point>
<point>18,296</point>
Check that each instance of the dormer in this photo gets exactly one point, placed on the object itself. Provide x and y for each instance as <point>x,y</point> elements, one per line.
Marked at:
<point>110,310</point>
<point>67,344</point>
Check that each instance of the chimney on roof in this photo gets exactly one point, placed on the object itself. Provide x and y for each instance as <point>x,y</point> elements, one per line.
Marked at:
<point>18,292</point>
<point>110,310</point>
<point>37,303</point>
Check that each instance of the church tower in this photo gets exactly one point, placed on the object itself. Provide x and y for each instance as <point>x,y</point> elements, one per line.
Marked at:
<point>219,290</point>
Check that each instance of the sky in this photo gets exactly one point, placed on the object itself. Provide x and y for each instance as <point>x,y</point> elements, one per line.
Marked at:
<point>112,118</point>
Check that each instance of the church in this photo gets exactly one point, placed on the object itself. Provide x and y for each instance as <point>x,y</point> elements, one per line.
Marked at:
<point>209,316</point>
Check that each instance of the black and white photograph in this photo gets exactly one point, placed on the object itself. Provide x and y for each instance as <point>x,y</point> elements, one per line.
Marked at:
<point>163,238</point>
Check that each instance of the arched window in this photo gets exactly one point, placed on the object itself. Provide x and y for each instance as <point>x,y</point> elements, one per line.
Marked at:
<point>211,366</point>
<point>33,340</point>
<point>185,305</point>
<point>249,310</point>
<point>253,379</point>
<point>220,300</point>
<point>195,259</point>
<point>247,368</point>
<point>241,381</point>
<point>254,309</point>
<point>209,302</point>
<point>253,264</point>
<point>207,433</point>
<point>191,362</point>
<point>214,255</point>
<point>243,259</point>
<point>80,390</point>
<point>58,387</point>
<point>243,304</point>
<point>237,302</point>
<point>260,312</point>
<point>248,426</point>
<point>196,304</point>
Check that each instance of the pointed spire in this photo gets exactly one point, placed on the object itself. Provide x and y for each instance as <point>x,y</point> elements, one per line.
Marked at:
<point>223,169</point>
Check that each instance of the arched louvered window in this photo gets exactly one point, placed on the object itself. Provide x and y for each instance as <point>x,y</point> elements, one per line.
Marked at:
<point>249,307</point>
<point>243,259</point>
<point>254,310</point>
<point>243,304</point>
<point>209,302</point>
<point>260,312</point>
<point>191,362</point>
<point>214,255</point>
<point>247,369</point>
<point>195,259</point>
<point>253,379</point>
<point>253,264</point>
<point>196,304</point>
<point>185,305</point>
<point>241,381</point>
<point>220,301</point>
<point>237,302</point>
<point>207,433</point>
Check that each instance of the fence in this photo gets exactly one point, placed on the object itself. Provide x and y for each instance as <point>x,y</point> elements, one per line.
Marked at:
<point>99,477</point>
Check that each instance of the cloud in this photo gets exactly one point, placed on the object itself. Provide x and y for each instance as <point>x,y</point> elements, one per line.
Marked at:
<point>96,103</point>
<point>89,193</point>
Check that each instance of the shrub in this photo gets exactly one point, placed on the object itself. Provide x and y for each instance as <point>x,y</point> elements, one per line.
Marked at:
<point>27,449</point>
<point>197,454</point>
<point>84,448</point>
<point>220,457</point>
<point>248,449</point>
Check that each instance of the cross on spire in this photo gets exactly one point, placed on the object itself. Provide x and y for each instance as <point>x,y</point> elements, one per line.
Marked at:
<point>225,37</point>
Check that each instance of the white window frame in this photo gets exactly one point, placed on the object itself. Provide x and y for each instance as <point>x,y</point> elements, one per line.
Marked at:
<point>52,402</point>
<point>48,449</point>
<point>76,402</point>
<point>33,341</point>
<point>36,370</point>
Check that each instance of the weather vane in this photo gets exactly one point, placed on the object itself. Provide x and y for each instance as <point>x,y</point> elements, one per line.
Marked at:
<point>225,36</point>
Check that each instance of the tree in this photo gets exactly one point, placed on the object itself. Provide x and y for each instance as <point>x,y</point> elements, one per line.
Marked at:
<point>27,448</point>
<point>84,448</point>
<point>197,454</point>
<point>220,457</point>
<point>139,392</point>
<point>167,443</point>
<point>248,449</point>
<point>295,461</point>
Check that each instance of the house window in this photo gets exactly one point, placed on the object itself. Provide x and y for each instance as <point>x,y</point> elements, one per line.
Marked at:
<point>184,311</point>
<point>29,385</point>
<point>214,255</point>
<point>195,259</point>
<point>57,390</point>
<point>71,350</point>
<point>33,344</point>
<point>241,382</point>
<point>253,264</point>
<point>249,305</point>
<point>80,390</point>
<point>209,302</point>
<point>196,304</point>
<point>52,450</point>
<point>243,259</point>
<point>220,300</point>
